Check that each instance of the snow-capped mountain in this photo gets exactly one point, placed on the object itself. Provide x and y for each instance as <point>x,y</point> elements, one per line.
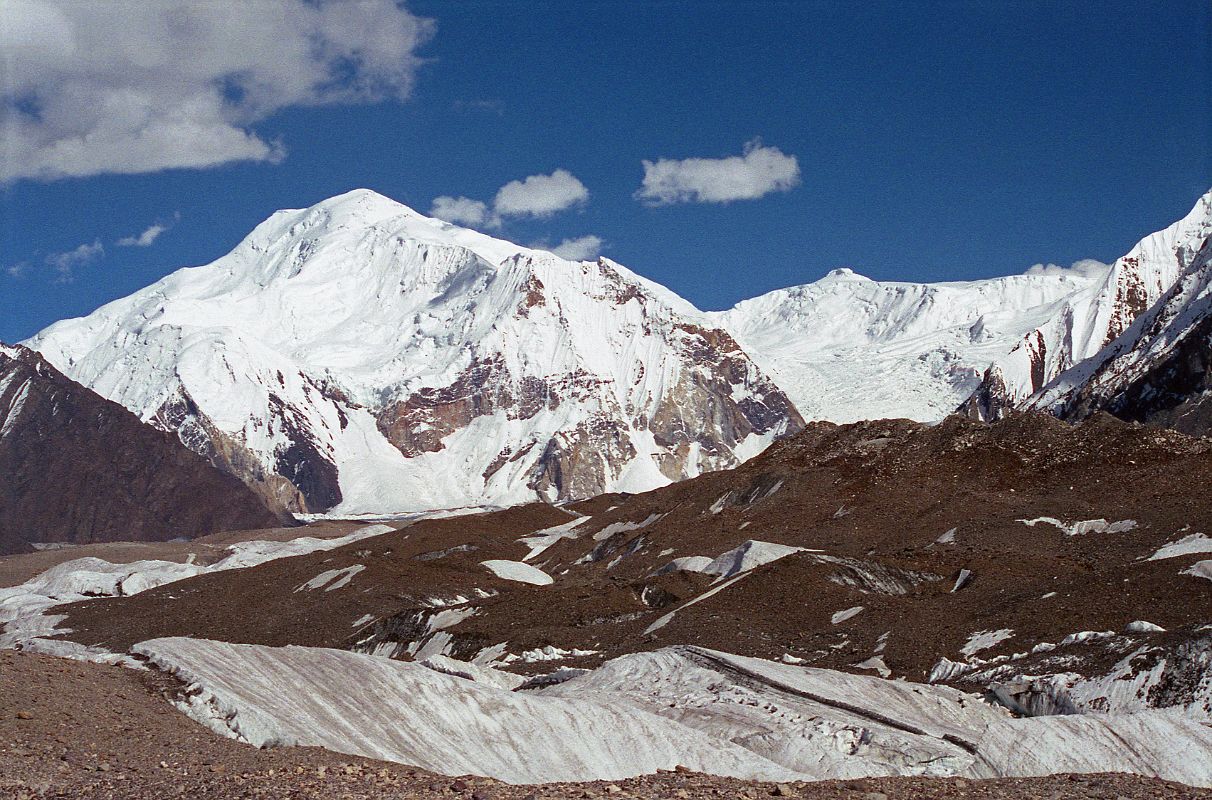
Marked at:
<point>362,357</point>
<point>1089,321</point>
<point>357,355</point>
<point>1157,370</point>
<point>78,469</point>
<point>847,348</point>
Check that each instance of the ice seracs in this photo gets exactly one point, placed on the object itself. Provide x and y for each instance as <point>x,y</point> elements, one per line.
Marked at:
<point>451,725</point>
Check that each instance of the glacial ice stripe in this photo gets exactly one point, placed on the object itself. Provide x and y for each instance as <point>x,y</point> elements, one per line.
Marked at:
<point>709,711</point>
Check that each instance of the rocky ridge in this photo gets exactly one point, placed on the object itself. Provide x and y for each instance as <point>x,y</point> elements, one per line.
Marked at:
<point>78,468</point>
<point>1087,327</point>
<point>1157,370</point>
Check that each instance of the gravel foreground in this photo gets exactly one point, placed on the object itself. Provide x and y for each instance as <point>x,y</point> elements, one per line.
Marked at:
<point>77,730</point>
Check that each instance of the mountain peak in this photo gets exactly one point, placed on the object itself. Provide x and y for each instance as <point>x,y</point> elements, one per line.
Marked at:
<point>845,274</point>
<point>364,206</point>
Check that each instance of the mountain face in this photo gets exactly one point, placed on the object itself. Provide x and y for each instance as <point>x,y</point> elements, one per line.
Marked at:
<point>362,357</point>
<point>78,468</point>
<point>848,348</point>
<point>1157,370</point>
<point>1090,322</point>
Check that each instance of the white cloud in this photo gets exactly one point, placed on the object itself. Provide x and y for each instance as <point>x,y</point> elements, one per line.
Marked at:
<point>65,263</point>
<point>131,86</point>
<point>1085,268</point>
<point>580,249</point>
<point>463,211</point>
<point>540,195</point>
<point>759,171</point>
<point>16,270</point>
<point>533,196</point>
<point>149,235</point>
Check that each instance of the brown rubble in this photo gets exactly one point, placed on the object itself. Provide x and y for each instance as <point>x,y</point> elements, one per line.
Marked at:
<point>874,499</point>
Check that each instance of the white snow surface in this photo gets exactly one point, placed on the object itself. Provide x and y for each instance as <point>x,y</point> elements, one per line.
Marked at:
<point>841,616</point>
<point>1174,275</point>
<point>1095,324</point>
<point>539,541</point>
<point>1200,569</point>
<point>324,317</point>
<point>552,653</point>
<point>848,348</point>
<point>687,564</point>
<point>1084,526</point>
<point>748,556</point>
<point>517,571</point>
<point>1188,545</point>
<point>709,711</point>
<point>488,676</point>
<point>983,640</point>
<point>331,579</point>
<point>828,724</point>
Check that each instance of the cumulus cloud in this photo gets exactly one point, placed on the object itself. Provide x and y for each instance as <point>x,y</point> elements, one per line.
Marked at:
<point>580,249</point>
<point>1085,268</point>
<point>131,86</point>
<point>65,263</point>
<point>463,211</point>
<point>149,235</point>
<point>757,172</point>
<point>16,270</point>
<point>533,196</point>
<point>540,195</point>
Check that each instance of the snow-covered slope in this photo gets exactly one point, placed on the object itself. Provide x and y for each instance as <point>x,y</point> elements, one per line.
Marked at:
<point>847,348</point>
<point>360,356</point>
<point>357,356</point>
<point>1091,320</point>
<point>1155,371</point>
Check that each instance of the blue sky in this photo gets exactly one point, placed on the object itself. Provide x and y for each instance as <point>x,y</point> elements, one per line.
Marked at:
<point>930,141</point>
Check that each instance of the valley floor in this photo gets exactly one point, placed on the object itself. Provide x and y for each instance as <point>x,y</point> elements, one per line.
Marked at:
<point>71,729</point>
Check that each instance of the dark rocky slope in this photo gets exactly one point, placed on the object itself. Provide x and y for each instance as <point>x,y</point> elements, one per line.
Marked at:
<point>78,468</point>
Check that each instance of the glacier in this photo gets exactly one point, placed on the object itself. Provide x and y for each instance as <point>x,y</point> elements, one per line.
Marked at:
<point>685,706</point>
